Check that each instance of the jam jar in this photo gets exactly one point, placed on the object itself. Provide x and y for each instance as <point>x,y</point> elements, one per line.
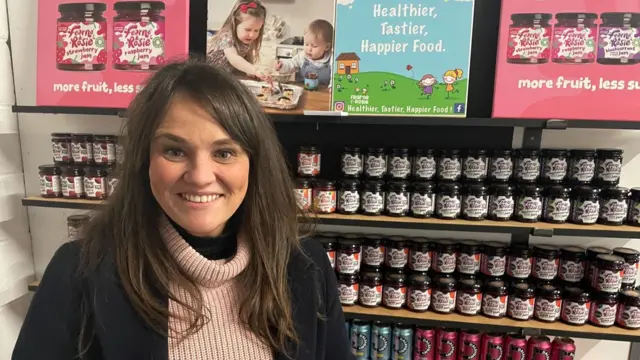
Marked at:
<point>575,38</point>
<point>548,303</point>
<point>72,182</point>
<point>448,201</point>
<point>628,314</point>
<point>348,196</point>
<point>104,149</point>
<point>423,200</point>
<point>444,257</point>
<point>309,161</point>
<point>75,223</point>
<point>81,37</point>
<point>324,197</point>
<point>351,162</point>
<point>615,27</point>
<point>370,292</point>
<point>449,165</point>
<point>443,294</point>
<point>604,307</point>
<point>572,264</point>
<point>633,218</point>
<point>120,149</point>
<point>61,146</point>
<point>582,166</point>
<point>536,49</point>
<point>399,164</point>
<point>494,259</point>
<point>50,182</point>
<point>469,255</point>
<point>585,205</point>
<point>519,262</point>
<point>475,202</point>
<point>113,176</point>
<point>304,194</point>
<point>592,256</point>
<point>608,274</point>
<point>82,148</point>
<point>501,202</point>
<point>397,255</point>
<point>630,268</point>
<point>419,298</point>
<point>397,198</point>
<point>372,198</point>
<point>348,256</point>
<point>575,306</point>
<point>475,165</point>
<point>614,205</point>
<point>373,251</point>
<point>394,293</point>
<point>546,259</point>
<point>494,299</point>
<point>527,168</point>
<point>554,165</point>
<point>420,254</point>
<point>557,204</point>
<point>424,165</point>
<point>501,166</point>
<point>375,163</point>
<point>348,289</point>
<point>469,297</point>
<point>95,183</point>
<point>529,204</point>
<point>609,166</point>
<point>521,302</point>
<point>329,245</point>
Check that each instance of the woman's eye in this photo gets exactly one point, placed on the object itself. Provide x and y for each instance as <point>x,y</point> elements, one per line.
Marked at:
<point>224,154</point>
<point>171,152</point>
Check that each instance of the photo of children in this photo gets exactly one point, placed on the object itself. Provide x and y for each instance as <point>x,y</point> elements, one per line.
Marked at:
<point>282,54</point>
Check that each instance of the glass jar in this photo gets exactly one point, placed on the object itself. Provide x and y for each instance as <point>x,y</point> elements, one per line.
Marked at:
<point>444,257</point>
<point>143,49</point>
<point>592,256</point>
<point>519,262</point>
<point>372,198</point>
<point>468,297</point>
<point>397,198</point>
<point>394,294</point>
<point>527,165</point>
<point>628,314</point>
<point>617,27</point>
<point>75,223</point>
<point>582,166</point>
<point>81,37</point>
<point>604,307</point>
<point>329,245</point>
<point>397,253</point>
<point>82,148</point>
<point>309,161</point>
<point>529,208</point>
<point>375,163</point>
<point>304,194</point>
<point>61,146</point>
<point>113,177</point>
<point>494,299</point>
<point>348,289</point>
<point>521,302</point>
<point>351,162</point>
<point>548,303</point>
<point>557,204</point>
<point>575,38</point>
<point>630,267</point>
<point>475,165</point>
<point>609,166</point>
<point>572,264</point>
<point>608,274</point>
<point>575,306</point>
<point>72,182</point>
<point>449,165</point>
<point>633,218</point>
<point>443,294</point>
<point>324,197</point>
<point>448,201</point>
<point>104,149</point>
<point>494,259</point>
<point>554,165</point>
<point>501,202</point>
<point>348,196</point>
<point>501,165</point>
<point>546,259</point>
<point>614,205</point>
<point>420,254</point>
<point>585,206</point>
<point>370,293</point>
<point>373,251</point>
<point>475,202</point>
<point>399,164</point>
<point>469,257</point>
<point>348,256</point>
<point>95,183</point>
<point>424,165</point>
<point>120,149</point>
<point>50,182</point>
<point>423,200</point>
<point>419,298</point>
<point>536,29</point>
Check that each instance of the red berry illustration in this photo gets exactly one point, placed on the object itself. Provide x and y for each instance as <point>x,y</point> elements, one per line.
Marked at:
<point>98,194</point>
<point>159,60</point>
<point>98,180</point>
<point>60,54</point>
<point>49,178</point>
<point>143,23</point>
<point>102,30</point>
<point>66,61</point>
<point>158,31</point>
<point>102,57</point>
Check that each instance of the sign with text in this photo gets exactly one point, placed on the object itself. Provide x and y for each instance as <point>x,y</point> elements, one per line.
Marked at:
<point>98,54</point>
<point>402,58</point>
<point>570,59</point>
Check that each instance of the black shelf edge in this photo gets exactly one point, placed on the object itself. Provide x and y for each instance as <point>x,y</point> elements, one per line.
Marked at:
<point>60,204</point>
<point>587,231</point>
<point>67,110</point>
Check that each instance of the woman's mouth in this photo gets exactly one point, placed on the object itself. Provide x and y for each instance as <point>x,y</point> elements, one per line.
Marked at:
<point>195,198</point>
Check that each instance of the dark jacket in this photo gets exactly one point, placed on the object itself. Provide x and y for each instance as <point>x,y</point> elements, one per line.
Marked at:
<point>52,325</point>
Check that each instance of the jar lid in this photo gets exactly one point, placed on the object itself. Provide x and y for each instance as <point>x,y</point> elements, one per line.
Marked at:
<point>528,152</point>
<point>570,16</point>
<point>449,187</point>
<point>495,248</point>
<point>586,191</point>
<point>605,296</point>
<point>398,185</point>
<point>375,150</point>
<point>104,137</point>
<point>445,152</point>
<point>397,238</point>
<point>610,260</point>
<point>529,189</point>
<point>423,186</point>
<point>530,16</point>
<point>576,293</point>
<point>501,152</point>
<point>573,252</point>
<point>476,152</point>
<point>138,5</point>
<point>401,151</point>
<point>374,276</point>
<point>469,285</point>
<point>582,152</point>
<point>446,244</point>
<point>423,152</point>
<point>345,242</point>
<point>554,152</point>
<point>547,250</point>
<point>396,278</point>
<point>444,281</point>
<point>480,189</point>
<point>469,246</point>
<point>594,251</point>
<point>635,191</point>
<point>81,7</point>
<point>354,149</point>
<point>616,191</point>
<point>348,277</point>
<point>358,322</point>
<point>324,183</point>
<point>78,218</point>
<point>420,243</point>
<point>630,296</point>
<point>520,251</point>
<point>558,191</point>
<point>373,239</point>
<point>524,289</point>
<point>498,189</point>
<point>495,286</point>
<point>549,290</point>
<point>48,168</point>
<point>349,183</point>
<point>379,323</point>
<point>397,242</point>
<point>627,253</point>
<point>71,169</point>
<point>82,136</point>
<point>61,135</point>
<point>609,152</point>
<point>373,185</point>
<point>419,279</point>
<point>303,182</point>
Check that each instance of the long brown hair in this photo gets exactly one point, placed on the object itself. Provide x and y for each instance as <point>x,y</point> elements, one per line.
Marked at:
<point>245,7</point>
<point>127,229</point>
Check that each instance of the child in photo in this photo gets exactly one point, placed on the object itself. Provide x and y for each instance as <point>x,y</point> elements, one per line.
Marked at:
<point>316,57</point>
<point>236,46</point>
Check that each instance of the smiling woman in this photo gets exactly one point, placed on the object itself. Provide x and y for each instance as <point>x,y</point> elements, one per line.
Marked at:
<point>197,255</point>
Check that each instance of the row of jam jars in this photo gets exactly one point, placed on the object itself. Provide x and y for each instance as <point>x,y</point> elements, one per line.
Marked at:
<point>74,182</point>
<point>86,149</point>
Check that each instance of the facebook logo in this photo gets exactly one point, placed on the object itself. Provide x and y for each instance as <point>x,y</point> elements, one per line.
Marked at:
<point>458,108</point>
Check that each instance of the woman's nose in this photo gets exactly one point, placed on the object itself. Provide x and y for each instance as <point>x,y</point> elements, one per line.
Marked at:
<point>202,171</point>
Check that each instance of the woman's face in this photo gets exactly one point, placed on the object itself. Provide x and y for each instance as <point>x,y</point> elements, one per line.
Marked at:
<point>198,174</point>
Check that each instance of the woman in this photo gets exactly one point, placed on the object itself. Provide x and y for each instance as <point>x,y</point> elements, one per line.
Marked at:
<point>197,255</point>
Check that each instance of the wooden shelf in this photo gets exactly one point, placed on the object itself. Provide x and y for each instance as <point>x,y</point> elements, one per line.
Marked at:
<point>60,203</point>
<point>34,285</point>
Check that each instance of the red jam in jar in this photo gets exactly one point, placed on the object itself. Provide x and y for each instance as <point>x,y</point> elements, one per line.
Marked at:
<point>82,148</point>
<point>603,309</point>
<point>104,149</point>
<point>348,256</point>
<point>609,273</point>
<point>419,298</point>
<point>519,262</point>
<point>469,254</point>
<point>75,223</point>
<point>112,180</point>
<point>394,294</point>
<point>95,183</point>
<point>370,294</point>
<point>494,299</point>
<point>324,197</point>
<point>81,37</point>
<point>72,182</point>
<point>548,303</point>
<point>50,183</point>
<point>575,306</point>
<point>572,264</point>
<point>546,259</point>
<point>469,297</point>
<point>444,257</point>
<point>139,35</point>
<point>304,194</point>
<point>574,38</point>
<point>494,259</point>
<point>529,39</point>
<point>628,315</point>
<point>521,302</point>
<point>631,258</point>
<point>309,161</point>
<point>373,251</point>
<point>348,289</point>
<point>420,254</point>
<point>329,245</point>
<point>61,146</point>
<point>443,295</point>
<point>397,253</point>
<point>592,254</point>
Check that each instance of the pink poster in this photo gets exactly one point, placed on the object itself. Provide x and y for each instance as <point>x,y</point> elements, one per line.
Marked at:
<point>569,59</point>
<point>97,54</point>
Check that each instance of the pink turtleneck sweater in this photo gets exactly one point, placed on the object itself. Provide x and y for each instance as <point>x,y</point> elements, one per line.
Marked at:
<point>224,337</point>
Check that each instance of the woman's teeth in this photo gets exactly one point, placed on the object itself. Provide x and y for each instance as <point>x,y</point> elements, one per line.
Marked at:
<point>200,198</point>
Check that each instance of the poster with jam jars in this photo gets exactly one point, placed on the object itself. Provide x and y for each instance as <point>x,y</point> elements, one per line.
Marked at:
<point>281,50</point>
<point>97,54</point>
<point>402,58</point>
<point>569,59</point>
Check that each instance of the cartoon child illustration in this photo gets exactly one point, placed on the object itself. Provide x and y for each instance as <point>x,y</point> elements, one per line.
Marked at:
<point>449,78</point>
<point>426,83</point>
<point>236,46</point>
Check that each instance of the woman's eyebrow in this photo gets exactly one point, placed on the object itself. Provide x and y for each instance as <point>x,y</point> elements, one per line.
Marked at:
<point>180,140</point>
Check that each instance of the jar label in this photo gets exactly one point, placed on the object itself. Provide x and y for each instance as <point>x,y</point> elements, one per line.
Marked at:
<point>475,207</point>
<point>50,185</point>
<point>628,316</point>
<point>372,203</point>
<point>331,254</point>
<point>104,153</point>
<point>81,152</point>
<point>583,170</point>
<point>609,170</point>
<point>73,233</point>
<point>557,209</point>
<point>555,169</point>
<point>308,164</point>
<point>519,308</point>
<point>618,43</point>
<point>373,255</point>
<point>375,166</point>
<point>370,295</point>
<point>475,168</point>
<point>422,205</point>
<point>529,208</point>
<point>608,281</point>
<point>495,306</point>
<point>547,310</point>
<point>613,210</point>
<point>349,201</point>
<point>138,43</point>
<point>630,272</point>
<point>61,151</point>
<point>443,301</point>
<point>82,43</point>
<point>399,167</point>
<point>397,258</point>
<point>448,206</point>
<point>113,183</point>
<point>303,198</point>
<point>575,312</point>
<point>445,263</point>
<point>351,164</point>
<point>571,271</point>
<point>545,269</point>
<point>449,169</point>
<point>519,267</point>
<point>394,297</point>
<point>493,265</point>
<point>585,212</point>
<point>424,167</point>
<point>602,314</point>
<point>325,201</point>
<point>468,263</point>
<point>634,212</point>
<point>419,300</point>
<point>348,263</point>
<point>348,294</point>
<point>95,187</point>
<point>528,42</point>
<point>501,206</point>
<point>501,168</point>
<point>398,203</point>
<point>72,186</point>
<point>420,261</point>
<point>528,169</point>
<point>468,304</point>
<point>119,153</point>
<point>574,43</point>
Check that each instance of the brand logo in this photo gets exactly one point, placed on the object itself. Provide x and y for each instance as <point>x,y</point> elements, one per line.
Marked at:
<point>458,108</point>
<point>339,105</point>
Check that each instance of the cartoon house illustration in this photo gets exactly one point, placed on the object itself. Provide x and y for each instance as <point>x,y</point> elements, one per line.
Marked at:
<point>348,63</point>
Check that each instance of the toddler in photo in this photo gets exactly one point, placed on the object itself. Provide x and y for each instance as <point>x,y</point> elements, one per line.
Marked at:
<point>316,57</point>
<point>236,46</point>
